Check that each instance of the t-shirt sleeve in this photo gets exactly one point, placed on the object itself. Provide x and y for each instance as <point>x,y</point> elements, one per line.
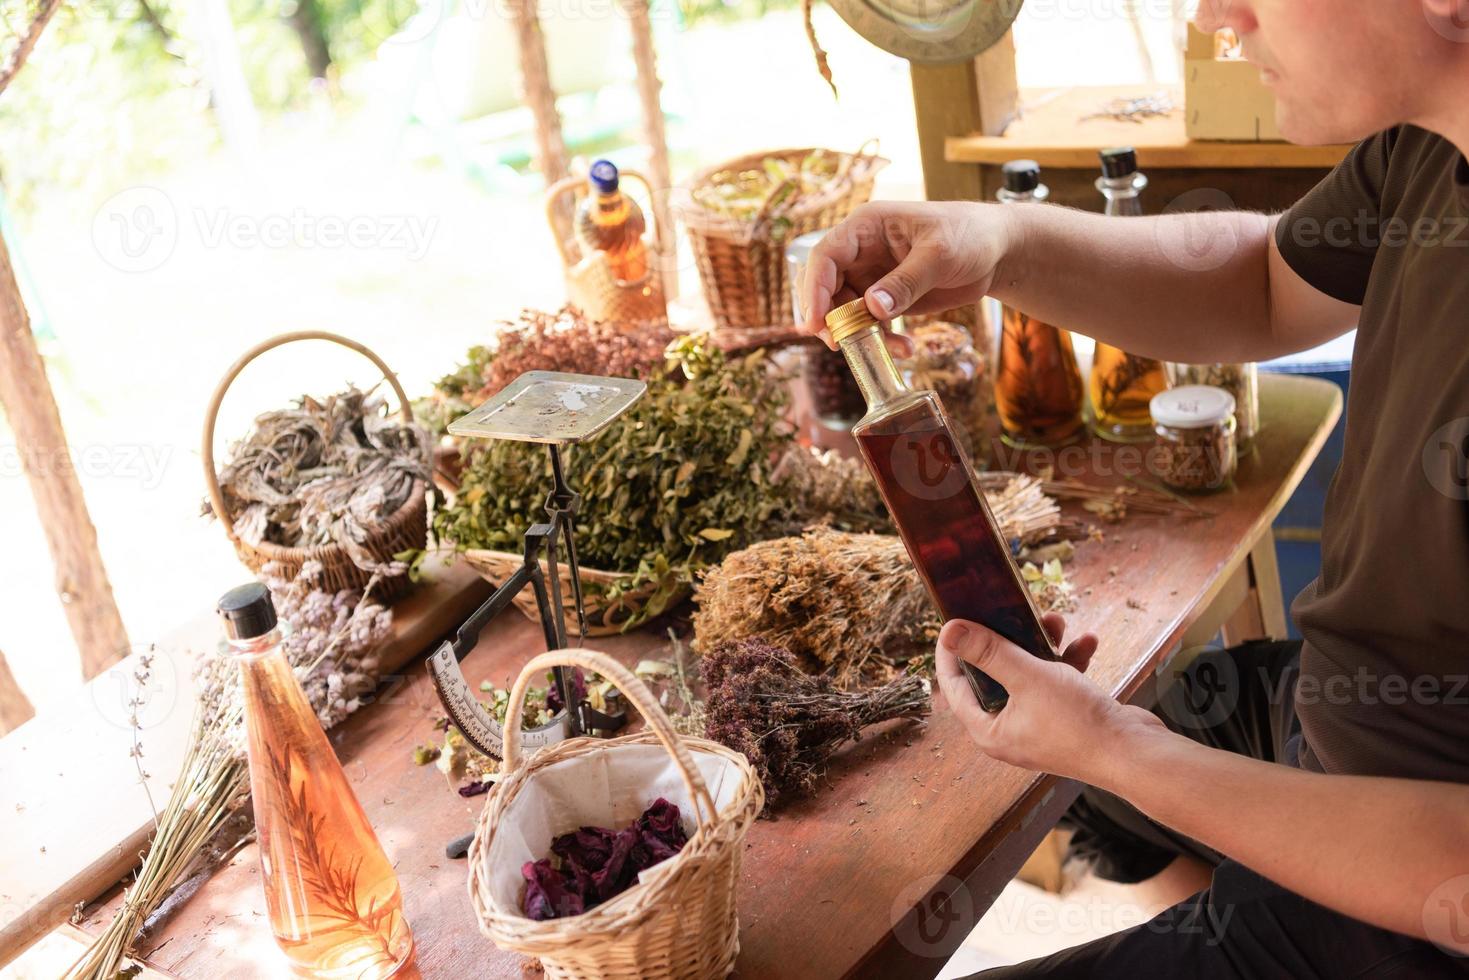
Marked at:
<point>1329,237</point>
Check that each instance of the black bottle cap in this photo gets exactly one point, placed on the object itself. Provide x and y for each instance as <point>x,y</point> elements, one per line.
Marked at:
<point>1119,161</point>
<point>1021,176</point>
<point>247,611</point>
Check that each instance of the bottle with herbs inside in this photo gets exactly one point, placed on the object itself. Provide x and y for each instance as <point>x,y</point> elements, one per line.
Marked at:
<point>330,891</point>
<point>1123,384</point>
<point>920,468</point>
<point>609,221</point>
<point>1038,387</point>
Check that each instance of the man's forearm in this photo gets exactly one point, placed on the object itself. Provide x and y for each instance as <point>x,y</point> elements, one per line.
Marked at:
<point>1371,848</point>
<point>1182,287</point>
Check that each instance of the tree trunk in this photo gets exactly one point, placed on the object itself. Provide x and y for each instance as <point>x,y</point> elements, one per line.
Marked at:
<point>306,22</point>
<point>649,88</point>
<point>15,708</point>
<point>535,80</point>
<point>25,395</point>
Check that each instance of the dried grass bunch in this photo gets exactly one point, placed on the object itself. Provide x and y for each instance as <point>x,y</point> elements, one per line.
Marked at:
<point>845,604</point>
<point>324,472</point>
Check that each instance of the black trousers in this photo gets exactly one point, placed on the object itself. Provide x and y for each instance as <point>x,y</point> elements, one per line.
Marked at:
<point>1243,925</point>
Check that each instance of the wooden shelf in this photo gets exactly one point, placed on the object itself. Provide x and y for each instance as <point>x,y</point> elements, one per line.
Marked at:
<point>1050,130</point>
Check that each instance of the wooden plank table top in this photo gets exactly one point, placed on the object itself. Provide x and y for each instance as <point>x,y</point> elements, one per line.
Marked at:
<point>905,814</point>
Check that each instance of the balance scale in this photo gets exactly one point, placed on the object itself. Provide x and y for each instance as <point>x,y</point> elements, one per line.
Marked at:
<point>558,410</point>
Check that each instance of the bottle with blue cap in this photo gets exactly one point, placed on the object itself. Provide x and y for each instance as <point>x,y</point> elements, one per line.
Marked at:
<point>610,222</point>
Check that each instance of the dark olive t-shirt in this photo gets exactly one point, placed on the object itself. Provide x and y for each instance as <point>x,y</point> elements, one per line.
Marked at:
<point>1384,683</point>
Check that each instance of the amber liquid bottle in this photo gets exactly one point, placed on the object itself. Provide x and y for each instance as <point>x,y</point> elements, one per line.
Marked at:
<point>330,891</point>
<point>1039,394</point>
<point>926,482</point>
<point>609,221</point>
<point>1123,384</point>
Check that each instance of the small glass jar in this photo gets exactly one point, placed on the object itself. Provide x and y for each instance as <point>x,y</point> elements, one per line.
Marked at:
<point>945,361</point>
<point>1240,380</point>
<point>1194,438</point>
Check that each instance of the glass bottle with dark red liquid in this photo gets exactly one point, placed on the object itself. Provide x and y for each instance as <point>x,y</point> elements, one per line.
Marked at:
<point>926,481</point>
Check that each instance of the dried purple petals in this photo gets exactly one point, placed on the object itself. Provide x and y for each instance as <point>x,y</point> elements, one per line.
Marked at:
<point>594,864</point>
<point>576,680</point>
<point>547,895</point>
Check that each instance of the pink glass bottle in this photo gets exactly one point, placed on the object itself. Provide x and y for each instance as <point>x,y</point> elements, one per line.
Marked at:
<point>331,893</point>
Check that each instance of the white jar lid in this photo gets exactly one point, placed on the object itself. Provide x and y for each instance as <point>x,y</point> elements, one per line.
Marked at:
<point>1191,406</point>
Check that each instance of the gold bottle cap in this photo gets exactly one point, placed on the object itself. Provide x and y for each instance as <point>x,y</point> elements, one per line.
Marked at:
<point>849,319</point>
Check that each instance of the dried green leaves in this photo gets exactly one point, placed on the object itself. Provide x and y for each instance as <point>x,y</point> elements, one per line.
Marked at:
<point>677,483</point>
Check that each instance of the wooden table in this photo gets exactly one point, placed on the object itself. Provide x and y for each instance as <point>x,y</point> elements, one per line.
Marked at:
<point>883,872</point>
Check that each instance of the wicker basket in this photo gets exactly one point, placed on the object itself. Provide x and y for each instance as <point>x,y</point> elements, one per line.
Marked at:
<point>405,529</point>
<point>742,263</point>
<point>679,920</point>
<point>591,285</point>
<point>605,617</point>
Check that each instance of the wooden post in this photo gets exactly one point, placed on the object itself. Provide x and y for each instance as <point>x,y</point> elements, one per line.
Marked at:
<point>535,79</point>
<point>30,407</point>
<point>978,96</point>
<point>654,135</point>
<point>15,707</point>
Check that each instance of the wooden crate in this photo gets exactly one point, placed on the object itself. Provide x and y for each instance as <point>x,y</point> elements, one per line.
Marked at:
<point>1224,98</point>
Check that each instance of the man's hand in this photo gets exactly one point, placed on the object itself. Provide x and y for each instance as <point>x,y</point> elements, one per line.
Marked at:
<point>906,258</point>
<point>1056,720</point>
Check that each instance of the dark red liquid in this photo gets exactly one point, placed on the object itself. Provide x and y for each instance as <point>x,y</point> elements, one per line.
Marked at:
<point>951,537</point>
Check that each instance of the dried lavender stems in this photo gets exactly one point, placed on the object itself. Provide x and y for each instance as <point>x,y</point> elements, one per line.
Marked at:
<point>789,723</point>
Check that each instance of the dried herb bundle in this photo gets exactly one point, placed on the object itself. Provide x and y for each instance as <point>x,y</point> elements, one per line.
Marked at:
<point>828,488</point>
<point>845,604</point>
<point>561,341</point>
<point>331,646</point>
<point>848,605</point>
<point>323,472</point>
<point>789,723</point>
<point>677,483</point>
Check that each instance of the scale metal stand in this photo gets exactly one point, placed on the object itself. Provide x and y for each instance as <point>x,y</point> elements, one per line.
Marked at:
<point>556,409</point>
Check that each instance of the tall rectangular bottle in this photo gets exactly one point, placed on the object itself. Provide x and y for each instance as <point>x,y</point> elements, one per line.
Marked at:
<point>926,480</point>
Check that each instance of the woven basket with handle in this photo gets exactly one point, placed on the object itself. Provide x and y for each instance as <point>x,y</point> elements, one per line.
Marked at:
<point>742,261</point>
<point>591,285</point>
<point>405,529</point>
<point>680,920</point>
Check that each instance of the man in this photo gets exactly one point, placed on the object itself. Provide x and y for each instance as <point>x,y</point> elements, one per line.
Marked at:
<point>1329,810</point>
